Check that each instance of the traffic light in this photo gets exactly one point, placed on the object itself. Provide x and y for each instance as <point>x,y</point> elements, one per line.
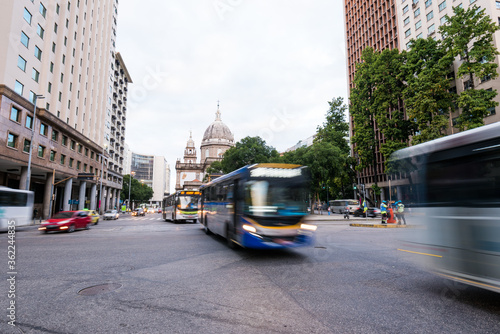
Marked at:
<point>354,186</point>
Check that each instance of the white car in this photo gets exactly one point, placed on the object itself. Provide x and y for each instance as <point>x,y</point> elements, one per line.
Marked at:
<point>111,214</point>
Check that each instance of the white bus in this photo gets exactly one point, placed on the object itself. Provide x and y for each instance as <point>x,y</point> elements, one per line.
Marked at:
<point>339,205</point>
<point>15,205</point>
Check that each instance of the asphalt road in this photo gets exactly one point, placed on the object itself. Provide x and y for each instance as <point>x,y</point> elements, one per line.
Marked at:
<point>144,275</point>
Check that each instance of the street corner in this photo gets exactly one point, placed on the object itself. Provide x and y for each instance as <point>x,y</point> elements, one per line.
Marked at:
<point>378,225</point>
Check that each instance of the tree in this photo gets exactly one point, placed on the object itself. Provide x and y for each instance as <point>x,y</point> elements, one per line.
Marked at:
<point>468,34</point>
<point>361,110</point>
<point>138,192</point>
<point>214,168</point>
<point>427,98</point>
<point>249,150</point>
<point>335,129</point>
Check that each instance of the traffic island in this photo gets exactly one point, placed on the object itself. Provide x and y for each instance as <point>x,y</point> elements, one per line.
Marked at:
<point>378,225</point>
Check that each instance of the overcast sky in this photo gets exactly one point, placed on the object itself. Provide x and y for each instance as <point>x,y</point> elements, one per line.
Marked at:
<point>272,64</point>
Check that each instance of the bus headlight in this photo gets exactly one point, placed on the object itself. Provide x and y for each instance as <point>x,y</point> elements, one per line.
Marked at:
<point>308,227</point>
<point>249,228</point>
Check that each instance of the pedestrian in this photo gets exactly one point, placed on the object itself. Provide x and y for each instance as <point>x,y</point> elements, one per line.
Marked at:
<point>35,213</point>
<point>329,210</point>
<point>346,212</point>
<point>383,211</point>
<point>400,212</point>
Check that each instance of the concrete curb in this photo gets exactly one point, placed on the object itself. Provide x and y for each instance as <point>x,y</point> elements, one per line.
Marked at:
<point>379,225</point>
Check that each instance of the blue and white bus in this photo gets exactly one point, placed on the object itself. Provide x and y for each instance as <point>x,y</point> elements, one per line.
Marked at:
<point>259,206</point>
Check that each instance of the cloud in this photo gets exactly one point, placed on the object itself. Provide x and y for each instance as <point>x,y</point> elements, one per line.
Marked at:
<point>272,64</point>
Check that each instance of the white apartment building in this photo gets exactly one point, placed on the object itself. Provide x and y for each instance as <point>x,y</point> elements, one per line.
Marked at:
<point>422,18</point>
<point>63,52</point>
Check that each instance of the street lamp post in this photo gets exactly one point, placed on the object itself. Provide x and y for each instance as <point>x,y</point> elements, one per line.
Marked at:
<point>28,178</point>
<point>129,186</point>
<point>100,187</point>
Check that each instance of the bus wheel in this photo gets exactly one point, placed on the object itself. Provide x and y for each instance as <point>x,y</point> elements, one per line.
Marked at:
<point>229,238</point>
<point>205,227</point>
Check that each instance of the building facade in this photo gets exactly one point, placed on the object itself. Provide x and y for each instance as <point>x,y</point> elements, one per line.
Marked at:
<point>387,25</point>
<point>61,54</point>
<point>217,139</point>
<point>154,172</point>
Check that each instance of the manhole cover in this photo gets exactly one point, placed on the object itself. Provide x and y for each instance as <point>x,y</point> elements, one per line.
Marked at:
<point>98,289</point>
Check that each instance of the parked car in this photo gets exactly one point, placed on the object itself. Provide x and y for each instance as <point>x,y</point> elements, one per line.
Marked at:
<point>94,217</point>
<point>138,212</point>
<point>371,212</point>
<point>111,214</point>
<point>68,221</point>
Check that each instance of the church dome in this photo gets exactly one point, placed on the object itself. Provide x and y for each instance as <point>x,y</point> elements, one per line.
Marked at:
<point>218,132</point>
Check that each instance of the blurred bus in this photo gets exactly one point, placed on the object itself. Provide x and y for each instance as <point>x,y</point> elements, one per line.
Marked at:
<point>259,206</point>
<point>181,206</point>
<point>340,205</point>
<point>15,205</point>
<point>452,186</point>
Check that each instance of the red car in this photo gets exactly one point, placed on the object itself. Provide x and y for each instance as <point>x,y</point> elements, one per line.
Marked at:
<point>67,221</point>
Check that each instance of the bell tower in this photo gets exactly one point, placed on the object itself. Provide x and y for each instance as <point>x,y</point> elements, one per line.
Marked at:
<point>190,151</point>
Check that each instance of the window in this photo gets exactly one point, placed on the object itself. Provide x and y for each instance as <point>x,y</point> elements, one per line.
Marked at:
<point>29,121</point>
<point>78,163</point>
<point>65,140</point>
<point>498,4</point>
<point>12,140</point>
<point>18,88</point>
<point>49,87</point>
<point>35,75</point>
<point>57,9</point>
<point>21,63</point>
<point>443,20</point>
<point>431,29</point>
<point>80,148</point>
<point>417,12</point>
<point>41,151</point>
<point>92,155</point>
<point>71,160</point>
<point>26,146</point>
<point>405,9</point>
<point>27,15</point>
<point>407,32</point>
<point>51,67</point>
<point>84,167</point>
<point>15,114</point>
<point>407,20</point>
<point>44,129</point>
<point>72,145</point>
<point>38,53</point>
<point>63,159</point>
<point>63,59</point>
<point>55,28</point>
<point>472,1</point>
<point>55,135</point>
<point>47,106</point>
<point>430,15</point>
<point>428,3</point>
<point>32,97</point>
<point>43,10</point>
<point>53,47</point>
<point>442,5</point>
<point>40,31</point>
<point>25,40</point>
<point>52,155</point>
<point>86,152</point>
<point>62,77</point>
<point>418,24</point>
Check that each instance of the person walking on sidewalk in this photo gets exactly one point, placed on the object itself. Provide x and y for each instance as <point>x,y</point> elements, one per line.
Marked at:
<point>400,212</point>
<point>383,211</point>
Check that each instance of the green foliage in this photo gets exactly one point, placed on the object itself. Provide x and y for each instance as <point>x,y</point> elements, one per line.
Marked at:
<point>335,129</point>
<point>427,98</point>
<point>249,150</point>
<point>138,192</point>
<point>214,168</point>
<point>469,34</point>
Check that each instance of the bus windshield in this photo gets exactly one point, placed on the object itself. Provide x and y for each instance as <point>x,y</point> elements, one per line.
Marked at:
<point>275,199</point>
<point>188,202</point>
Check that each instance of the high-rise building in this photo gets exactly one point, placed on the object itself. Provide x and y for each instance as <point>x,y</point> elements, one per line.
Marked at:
<point>154,172</point>
<point>422,19</point>
<point>369,23</point>
<point>62,53</point>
